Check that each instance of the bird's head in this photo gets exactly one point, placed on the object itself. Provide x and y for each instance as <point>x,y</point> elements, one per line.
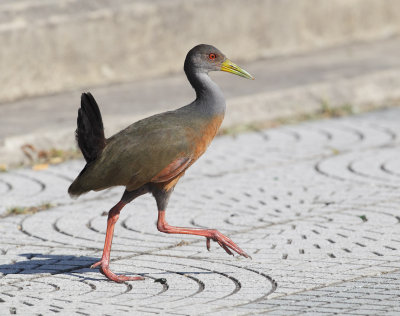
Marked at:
<point>206,58</point>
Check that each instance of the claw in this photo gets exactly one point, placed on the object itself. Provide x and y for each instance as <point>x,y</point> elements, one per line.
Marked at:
<point>208,244</point>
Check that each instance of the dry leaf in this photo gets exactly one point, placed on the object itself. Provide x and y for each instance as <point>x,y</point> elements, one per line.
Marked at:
<point>41,166</point>
<point>55,160</point>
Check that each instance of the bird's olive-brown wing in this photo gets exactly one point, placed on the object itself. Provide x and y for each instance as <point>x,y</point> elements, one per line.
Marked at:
<point>172,170</point>
<point>144,152</point>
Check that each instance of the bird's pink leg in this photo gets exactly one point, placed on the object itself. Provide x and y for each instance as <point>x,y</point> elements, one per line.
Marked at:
<point>211,234</point>
<point>104,263</point>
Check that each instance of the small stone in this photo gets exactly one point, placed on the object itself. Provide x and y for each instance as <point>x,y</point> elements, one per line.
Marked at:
<point>161,280</point>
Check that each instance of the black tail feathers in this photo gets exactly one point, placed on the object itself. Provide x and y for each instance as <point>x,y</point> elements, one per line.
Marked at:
<point>90,131</point>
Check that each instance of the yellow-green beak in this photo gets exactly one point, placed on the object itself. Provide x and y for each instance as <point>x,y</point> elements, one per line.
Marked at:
<point>229,66</point>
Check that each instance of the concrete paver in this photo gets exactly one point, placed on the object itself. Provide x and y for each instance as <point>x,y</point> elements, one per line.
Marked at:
<point>315,204</point>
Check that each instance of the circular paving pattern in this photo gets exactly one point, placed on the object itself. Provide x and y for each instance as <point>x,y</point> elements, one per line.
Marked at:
<point>313,204</point>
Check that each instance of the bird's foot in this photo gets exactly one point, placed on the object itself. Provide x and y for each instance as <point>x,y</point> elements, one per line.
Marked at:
<point>225,242</point>
<point>104,269</point>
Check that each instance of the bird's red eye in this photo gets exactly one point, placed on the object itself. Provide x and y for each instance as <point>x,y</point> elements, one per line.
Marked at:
<point>212,56</point>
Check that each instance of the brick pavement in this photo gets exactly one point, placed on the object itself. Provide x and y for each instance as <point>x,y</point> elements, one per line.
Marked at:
<point>315,204</point>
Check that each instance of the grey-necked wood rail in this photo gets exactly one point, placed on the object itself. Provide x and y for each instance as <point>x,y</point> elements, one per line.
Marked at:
<point>151,155</point>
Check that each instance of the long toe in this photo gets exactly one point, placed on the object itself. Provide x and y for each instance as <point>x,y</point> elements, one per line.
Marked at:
<point>119,278</point>
<point>95,265</point>
<point>105,270</point>
<point>227,244</point>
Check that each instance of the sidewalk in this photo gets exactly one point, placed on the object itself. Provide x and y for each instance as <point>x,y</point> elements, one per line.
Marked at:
<point>315,204</point>
<point>358,76</point>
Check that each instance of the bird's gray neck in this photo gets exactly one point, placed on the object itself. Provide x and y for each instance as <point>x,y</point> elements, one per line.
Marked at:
<point>209,97</point>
